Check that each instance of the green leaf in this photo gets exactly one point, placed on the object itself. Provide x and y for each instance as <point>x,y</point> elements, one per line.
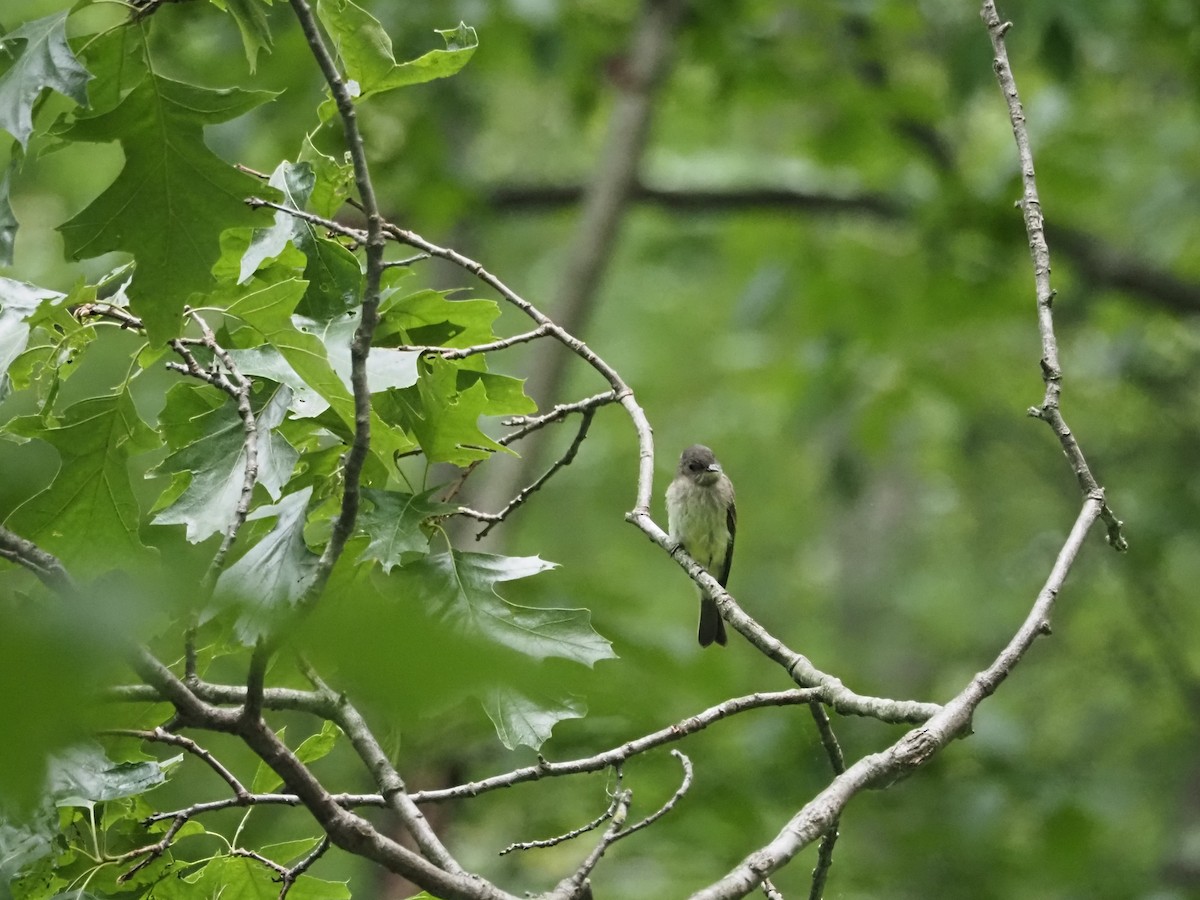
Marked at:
<point>444,407</point>
<point>55,339</point>
<point>88,515</point>
<point>521,721</point>
<point>268,310</point>
<point>18,301</point>
<point>212,456</point>
<point>46,61</point>
<point>238,878</point>
<point>460,589</point>
<point>395,522</point>
<point>268,362</point>
<point>172,199</point>
<point>386,368</point>
<point>22,844</point>
<point>333,183</point>
<point>118,61</point>
<point>317,746</point>
<point>252,23</point>
<point>294,183</point>
<point>83,776</point>
<point>366,50</point>
<point>8,219</point>
<point>275,572</point>
<point>431,318</point>
<point>333,273</point>
<point>312,748</point>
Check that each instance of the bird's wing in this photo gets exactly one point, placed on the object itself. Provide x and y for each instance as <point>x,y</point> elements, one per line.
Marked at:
<point>731,523</point>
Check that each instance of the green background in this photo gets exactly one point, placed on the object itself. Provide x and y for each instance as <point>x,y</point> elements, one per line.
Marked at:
<point>862,369</point>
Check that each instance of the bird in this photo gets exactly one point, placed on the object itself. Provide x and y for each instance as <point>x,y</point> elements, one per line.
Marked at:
<point>702,519</point>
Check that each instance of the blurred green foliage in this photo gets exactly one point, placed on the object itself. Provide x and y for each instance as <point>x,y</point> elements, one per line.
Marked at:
<point>862,370</point>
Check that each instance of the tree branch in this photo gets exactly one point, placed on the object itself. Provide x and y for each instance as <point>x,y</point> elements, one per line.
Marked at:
<point>360,346</point>
<point>392,786</point>
<point>1031,207</point>
<point>46,566</point>
<point>618,755</point>
<point>494,519</point>
<point>917,747</point>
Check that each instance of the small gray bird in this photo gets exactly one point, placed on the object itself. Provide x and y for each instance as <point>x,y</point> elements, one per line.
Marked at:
<point>702,518</point>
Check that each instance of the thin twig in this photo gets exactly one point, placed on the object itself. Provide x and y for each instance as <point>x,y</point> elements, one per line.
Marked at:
<point>833,749</point>
<point>527,424</point>
<point>347,800</point>
<point>618,755</point>
<point>360,346</point>
<point>291,875</point>
<point>240,388</point>
<point>526,492</point>
<point>390,784</point>
<point>616,801</point>
<point>162,736</point>
<point>616,830</point>
<point>405,263</point>
<point>915,748</point>
<point>1031,207</point>
<point>109,311</point>
<point>684,786</point>
<point>464,352</point>
<point>275,867</point>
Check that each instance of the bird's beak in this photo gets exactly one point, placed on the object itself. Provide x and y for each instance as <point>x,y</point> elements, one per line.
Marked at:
<point>715,467</point>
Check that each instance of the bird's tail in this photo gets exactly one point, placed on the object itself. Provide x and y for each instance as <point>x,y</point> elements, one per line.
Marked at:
<point>712,626</point>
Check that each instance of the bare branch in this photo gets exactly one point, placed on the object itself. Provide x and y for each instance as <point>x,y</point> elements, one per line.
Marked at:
<point>275,867</point>
<point>615,831</point>
<point>526,492</point>
<point>239,387</point>
<point>618,755</point>
<point>684,786</point>
<point>1031,207</point>
<point>917,747</point>
<point>383,772</point>
<point>618,799</point>
<point>109,311</point>
<point>360,346</point>
<point>605,201</point>
<point>463,352</point>
<point>529,424</point>
<point>837,762</point>
<point>162,736</point>
<point>292,874</point>
<point>46,566</point>
<point>148,853</point>
<point>833,692</point>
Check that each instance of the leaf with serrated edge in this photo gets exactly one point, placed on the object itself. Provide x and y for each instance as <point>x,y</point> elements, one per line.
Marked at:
<point>366,49</point>
<point>460,589</point>
<point>216,463</point>
<point>522,721</point>
<point>89,514</point>
<point>275,572</point>
<point>393,521</point>
<point>45,61</point>
<point>268,310</point>
<point>173,197</point>
<point>18,301</point>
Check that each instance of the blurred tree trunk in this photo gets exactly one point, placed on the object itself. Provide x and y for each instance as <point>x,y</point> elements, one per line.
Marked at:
<point>637,77</point>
